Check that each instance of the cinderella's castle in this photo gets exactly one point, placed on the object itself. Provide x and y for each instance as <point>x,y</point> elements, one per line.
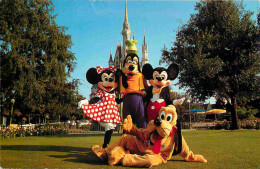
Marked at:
<point>121,50</point>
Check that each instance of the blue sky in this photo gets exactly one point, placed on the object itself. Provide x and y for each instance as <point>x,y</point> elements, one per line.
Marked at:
<point>95,28</point>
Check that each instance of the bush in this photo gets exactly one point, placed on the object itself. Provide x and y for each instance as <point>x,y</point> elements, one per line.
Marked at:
<point>257,125</point>
<point>185,125</point>
<point>218,125</point>
<point>76,131</point>
<point>226,125</point>
<point>250,124</point>
<point>86,127</point>
<point>222,125</point>
<point>37,131</point>
<point>244,124</point>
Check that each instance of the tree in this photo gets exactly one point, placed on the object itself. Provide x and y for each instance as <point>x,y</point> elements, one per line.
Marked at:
<point>64,102</point>
<point>247,112</point>
<point>218,55</point>
<point>35,57</point>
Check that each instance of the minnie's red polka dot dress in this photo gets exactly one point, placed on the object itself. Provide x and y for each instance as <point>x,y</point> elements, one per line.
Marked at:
<point>104,111</point>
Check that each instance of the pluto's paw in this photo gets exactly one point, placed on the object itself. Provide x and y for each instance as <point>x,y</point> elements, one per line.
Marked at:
<point>116,155</point>
<point>99,152</point>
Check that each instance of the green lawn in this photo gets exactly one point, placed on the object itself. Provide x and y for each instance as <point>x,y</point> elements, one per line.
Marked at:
<point>222,149</point>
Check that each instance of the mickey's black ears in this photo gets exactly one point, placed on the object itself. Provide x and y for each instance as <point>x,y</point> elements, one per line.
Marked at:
<point>173,71</point>
<point>147,71</point>
<point>92,76</point>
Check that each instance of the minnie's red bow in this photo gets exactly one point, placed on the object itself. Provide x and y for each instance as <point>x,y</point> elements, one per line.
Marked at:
<point>101,69</point>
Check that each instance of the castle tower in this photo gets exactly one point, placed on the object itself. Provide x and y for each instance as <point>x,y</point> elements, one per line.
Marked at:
<point>126,32</point>
<point>133,34</point>
<point>145,58</point>
<point>118,56</point>
<point>121,48</point>
<point>110,62</point>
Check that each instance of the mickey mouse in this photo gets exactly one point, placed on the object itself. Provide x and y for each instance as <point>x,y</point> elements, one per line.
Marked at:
<point>158,94</point>
<point>106,111</point>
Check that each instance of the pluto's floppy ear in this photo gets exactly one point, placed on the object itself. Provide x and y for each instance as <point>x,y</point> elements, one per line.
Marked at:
<point>147,71</point>
<point>178,149</point>
<point>173,71</point>
<point>92,76</point>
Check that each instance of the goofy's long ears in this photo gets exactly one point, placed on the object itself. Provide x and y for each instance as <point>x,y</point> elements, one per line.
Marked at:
<point>119,73</point>
<point>178,149</point>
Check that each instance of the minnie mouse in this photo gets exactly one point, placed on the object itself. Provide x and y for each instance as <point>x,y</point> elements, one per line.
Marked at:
<point>158,94</point>
<point>106,111</point>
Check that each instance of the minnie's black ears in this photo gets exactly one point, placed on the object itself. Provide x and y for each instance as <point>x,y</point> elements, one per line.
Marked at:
<point>92,76</point>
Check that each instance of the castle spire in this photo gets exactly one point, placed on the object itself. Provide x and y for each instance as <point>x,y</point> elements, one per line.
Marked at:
<point>110,62</point>
<point>144,38</point>
<point>133,34</point>
<point>164,47</point>
<point>110,59</point>
<point>145,58</point>
<point>126,32</point>
<point>126,16</point>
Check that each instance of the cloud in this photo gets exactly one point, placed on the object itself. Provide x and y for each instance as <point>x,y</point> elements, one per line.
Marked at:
<point>100,7</point>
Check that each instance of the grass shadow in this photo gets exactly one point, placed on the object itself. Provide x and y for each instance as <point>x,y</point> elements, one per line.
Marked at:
<point>72,154</point>
<point>80,135</point>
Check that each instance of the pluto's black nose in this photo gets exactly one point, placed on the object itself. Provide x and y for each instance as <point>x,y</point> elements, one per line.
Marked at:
<point>157,122</point>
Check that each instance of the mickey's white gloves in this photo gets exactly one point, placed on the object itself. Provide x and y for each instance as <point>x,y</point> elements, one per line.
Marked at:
<point>178,102</point>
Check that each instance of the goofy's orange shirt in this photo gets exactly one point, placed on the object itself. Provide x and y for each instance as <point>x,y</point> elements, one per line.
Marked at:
<point>136,84</point>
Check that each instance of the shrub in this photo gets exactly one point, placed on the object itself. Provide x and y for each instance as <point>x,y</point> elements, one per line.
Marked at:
<point>76,131</point>
<point>222,125</point>
<point>37,131</point>
<point>226,125</point>
<point>185,125</point>
<point>250,124</point>
<point>257,125</point>
<point>218,125</point>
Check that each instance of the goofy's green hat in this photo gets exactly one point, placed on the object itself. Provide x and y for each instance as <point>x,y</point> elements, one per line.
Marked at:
<point>131,46</point>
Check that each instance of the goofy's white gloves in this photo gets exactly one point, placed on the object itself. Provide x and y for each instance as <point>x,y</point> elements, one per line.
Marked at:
<point>178,102</point>
<point>85,102</point>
